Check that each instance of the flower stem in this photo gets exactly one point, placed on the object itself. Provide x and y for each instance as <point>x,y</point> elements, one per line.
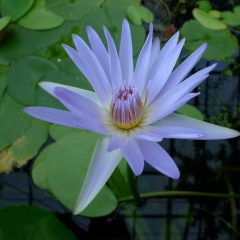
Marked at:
<point>179,194</point>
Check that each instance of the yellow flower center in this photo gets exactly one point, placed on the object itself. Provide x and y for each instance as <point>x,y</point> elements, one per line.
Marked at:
<point>126,108</point>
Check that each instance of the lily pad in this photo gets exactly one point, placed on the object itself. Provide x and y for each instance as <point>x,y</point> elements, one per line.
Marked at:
<point>13,121</point>
<point>28,223</point>
<point>40,19</point>
<point>230,18</point>
<point>221,43</point>
<point>25,147</point>
<point>207,20</point>
<point>3,72</point>
<point>4,22</point>
<point>204,5</point>
<point>66,163</point>
<point>191,111</point>
<point>23,78</point>
<point>16,8</point>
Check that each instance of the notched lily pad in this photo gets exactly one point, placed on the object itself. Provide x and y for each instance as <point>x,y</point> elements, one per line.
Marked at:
<point>40,18</point>
<point>66,163</point>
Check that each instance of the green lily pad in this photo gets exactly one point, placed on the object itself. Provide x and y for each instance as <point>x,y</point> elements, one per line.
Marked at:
<point>221,43</point>
<point>204,5</point>
<point>3,73</point>
<point>4,22</point>
<point>191,111</point>
<point>13,121</point>
<point>66,163</point>
<point>134,15</point>
<point>16,8</point>
<point>40,19</point>
<point>23,78</point>
<point>215,13</point>
<point>207,20</point>
<point>230,18</point>
<point>25,147</point>
<point>28,223</point>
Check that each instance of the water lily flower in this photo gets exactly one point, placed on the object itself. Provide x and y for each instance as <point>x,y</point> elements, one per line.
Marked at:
<point>133,108</point>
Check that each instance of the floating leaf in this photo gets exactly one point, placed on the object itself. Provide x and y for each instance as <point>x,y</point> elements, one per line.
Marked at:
<point>191,111</point>
<point>204,5</point>
<point>207,20</point>
<point>66,163</point>
<point>16,8</point>
<point>221,43</point>
<point>136,13</point>
<point>4,22</point>
<point>28,223</point>
<point>25,147</point>
<point>230,18</point>
<point>13,121</point>
<point>215,13</point>
<point>40,19</point>
<point>3,72</point>
<point>24,76</point>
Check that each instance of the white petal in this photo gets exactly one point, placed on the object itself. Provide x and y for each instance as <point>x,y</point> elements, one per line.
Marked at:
<point>142,65</point>
<point>209,131</point>
<point>133,155</point>
<point>100,169</point>
<point>99,50</point>
<point>184,68</point>
<point>125,53</point>
<point>155,51</point>
<point>51,86</point>
<point>89,65</point>
<point>157,157</point>
<point>161,73</point>
<point>115,67</point>
<point>159,109</point>
<point>55,116</point>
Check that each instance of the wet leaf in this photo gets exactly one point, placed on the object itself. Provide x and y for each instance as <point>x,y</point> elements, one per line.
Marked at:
<point>16,8</point>
<point>28,223</point>
<point>40,19</point>
<point>4,22</point>
<point>66,163</point>
<point>207,20</point>
<point>221,43</point>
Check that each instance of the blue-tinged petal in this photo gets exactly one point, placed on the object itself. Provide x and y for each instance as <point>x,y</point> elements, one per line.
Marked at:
<point>158,131</point>
<point>56,116</point>
<point>115,142</point>
<point>157,157</point>
<point>209,131</point>
<point>159,110</point>
<point>125,53</point>
<point>51,86</point>
<point>100,169</point>
<point>184,68</point>
<point>155,51</point>
<point>142,65</point>
<point>99,50</point>
<point>133,155</point>
<point>89,65</point>
<point>162,72</point>
<point>115,67</point>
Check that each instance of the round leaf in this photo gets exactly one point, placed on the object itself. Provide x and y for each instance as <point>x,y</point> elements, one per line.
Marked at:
<point>13,122</point>
<point>221,43</point>
<point>4,22</point>
<point>24,76</point>
<point>40,19</point>
<point>204,5</point>
<point>215,13</point>
<point>207,20</point>
<point>146,14</point>
<point>134,15</point>
<point>66,163</point>
<point>16,8</point>
<point>230,18</point>
<point>28,223</point>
